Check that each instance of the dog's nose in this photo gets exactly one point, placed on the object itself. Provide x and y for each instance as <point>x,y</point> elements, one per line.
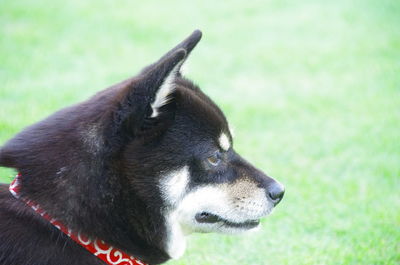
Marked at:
<point>275,192</point>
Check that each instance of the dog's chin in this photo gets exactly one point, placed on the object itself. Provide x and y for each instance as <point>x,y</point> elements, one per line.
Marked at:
<point>211,223</point>
<point>224,228</point>
<point>238,228</point>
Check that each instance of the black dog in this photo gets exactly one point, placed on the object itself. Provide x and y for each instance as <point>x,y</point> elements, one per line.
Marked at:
<point>138,166</point>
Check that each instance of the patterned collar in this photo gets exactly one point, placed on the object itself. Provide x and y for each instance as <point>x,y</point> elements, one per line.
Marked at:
<point>97,247</point>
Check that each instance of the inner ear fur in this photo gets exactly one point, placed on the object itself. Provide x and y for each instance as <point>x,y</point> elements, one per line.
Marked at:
<point>147,104</point>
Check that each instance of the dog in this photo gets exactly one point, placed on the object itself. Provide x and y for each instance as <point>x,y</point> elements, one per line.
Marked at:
<point>136,167</point>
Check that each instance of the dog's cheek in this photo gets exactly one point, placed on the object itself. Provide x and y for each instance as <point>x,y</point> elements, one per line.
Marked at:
<point>203,199</point>
<point>173,185</point>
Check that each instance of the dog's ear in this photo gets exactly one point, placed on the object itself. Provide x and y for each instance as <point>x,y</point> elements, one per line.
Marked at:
<point>147,104</point>
<point>187,44</point>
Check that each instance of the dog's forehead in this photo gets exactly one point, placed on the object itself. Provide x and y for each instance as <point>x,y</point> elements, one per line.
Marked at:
<point>205,116</point>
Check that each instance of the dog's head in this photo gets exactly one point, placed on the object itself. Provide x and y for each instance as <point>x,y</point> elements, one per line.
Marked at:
<point>186,146</point>
<point>154,153</point>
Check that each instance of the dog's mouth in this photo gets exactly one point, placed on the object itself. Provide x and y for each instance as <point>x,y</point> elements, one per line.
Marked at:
<point>209,218</point>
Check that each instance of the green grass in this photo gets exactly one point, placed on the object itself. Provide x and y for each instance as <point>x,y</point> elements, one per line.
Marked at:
<point>312,88</point>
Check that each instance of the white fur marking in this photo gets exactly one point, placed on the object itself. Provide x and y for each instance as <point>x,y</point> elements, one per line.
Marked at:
<point>184,68</point>
<point>165,90</point>
<point>208,199</point>
<point>176,243</point>
<point>173,187</point>
<point>224,142</point>
<point>174,184</point>
<point>222,200</point>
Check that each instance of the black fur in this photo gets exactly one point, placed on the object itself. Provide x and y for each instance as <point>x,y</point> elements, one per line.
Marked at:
<point>94,166</point>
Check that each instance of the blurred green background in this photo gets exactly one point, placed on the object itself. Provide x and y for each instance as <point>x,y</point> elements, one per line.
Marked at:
<point>312,89</point>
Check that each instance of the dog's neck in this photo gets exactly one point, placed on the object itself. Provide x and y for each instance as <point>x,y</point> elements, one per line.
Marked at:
<point>97,247</point>
<point>130,231</point>
<point>80,189</point>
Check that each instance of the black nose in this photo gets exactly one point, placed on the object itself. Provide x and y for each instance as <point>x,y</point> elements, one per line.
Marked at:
<point>275,192</point>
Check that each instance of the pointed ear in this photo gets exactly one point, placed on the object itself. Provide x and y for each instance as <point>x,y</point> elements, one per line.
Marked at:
<point>146,104</point>
<point>187,44</point>
<point>163,94</point>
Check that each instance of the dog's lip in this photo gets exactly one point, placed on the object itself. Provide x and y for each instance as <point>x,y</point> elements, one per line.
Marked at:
<point>205,217</point>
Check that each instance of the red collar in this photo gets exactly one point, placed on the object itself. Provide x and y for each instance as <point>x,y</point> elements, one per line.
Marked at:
<point>97,247</point>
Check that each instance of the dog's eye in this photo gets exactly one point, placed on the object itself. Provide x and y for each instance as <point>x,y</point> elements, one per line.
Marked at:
<point>214,159</point>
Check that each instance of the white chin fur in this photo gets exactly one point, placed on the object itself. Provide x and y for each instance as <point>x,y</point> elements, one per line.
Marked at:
<point>227,201</point>
<point>216,200</point>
